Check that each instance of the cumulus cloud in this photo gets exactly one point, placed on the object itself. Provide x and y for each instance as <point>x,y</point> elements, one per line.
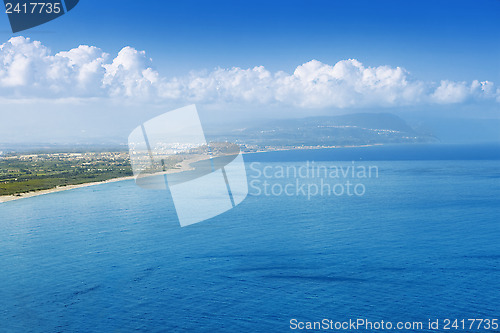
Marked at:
<point>28,69</point>
<point>129,74</point>
<point>346,84</point>
<point>450,92</point>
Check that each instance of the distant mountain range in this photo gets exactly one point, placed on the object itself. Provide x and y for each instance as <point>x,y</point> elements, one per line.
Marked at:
<point>324,131</point>
<point>352,129</point>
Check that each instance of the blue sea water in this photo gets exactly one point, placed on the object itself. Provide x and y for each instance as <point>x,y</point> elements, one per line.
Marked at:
<point>422,243</point>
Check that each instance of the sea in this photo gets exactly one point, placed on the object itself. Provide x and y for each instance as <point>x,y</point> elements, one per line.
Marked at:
<point>417,241</point>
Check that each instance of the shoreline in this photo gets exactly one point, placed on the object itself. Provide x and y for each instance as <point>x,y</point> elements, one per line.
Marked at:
<point>14,197</point>
<point>184,166</point>
<point>312,148</point>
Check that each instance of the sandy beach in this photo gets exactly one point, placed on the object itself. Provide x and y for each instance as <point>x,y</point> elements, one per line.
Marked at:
<point>58,189</point>
<point>182,166</point>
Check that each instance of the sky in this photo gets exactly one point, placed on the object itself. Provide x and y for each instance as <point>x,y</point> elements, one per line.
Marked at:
<point>106,66</point>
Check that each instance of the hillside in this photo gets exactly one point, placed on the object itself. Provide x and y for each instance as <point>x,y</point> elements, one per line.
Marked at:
<point>353,129</point>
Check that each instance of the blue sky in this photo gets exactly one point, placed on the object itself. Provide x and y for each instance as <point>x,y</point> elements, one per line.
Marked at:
<point>434,40</point>
<point>244,59</point>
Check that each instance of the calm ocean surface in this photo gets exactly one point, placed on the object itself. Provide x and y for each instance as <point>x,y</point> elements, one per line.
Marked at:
<point>422,242</point>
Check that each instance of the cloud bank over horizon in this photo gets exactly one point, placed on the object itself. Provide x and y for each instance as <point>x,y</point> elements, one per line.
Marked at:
<point>29,70</point>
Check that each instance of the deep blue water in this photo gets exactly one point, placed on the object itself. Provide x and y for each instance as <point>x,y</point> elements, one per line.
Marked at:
<point>422,242</point>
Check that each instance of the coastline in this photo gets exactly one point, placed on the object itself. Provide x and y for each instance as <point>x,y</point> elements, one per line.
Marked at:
<point>311,148</point>
<point>14,197</point>
<point>184,166</point>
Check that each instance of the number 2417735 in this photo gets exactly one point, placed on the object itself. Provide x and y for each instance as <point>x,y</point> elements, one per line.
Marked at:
<point>33,8</point>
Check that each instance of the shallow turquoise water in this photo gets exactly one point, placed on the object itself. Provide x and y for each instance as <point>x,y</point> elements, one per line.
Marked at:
<point>423,242</point>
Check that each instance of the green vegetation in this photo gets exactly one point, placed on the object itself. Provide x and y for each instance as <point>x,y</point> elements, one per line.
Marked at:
<point>23,173</point>
<point>35,172</point>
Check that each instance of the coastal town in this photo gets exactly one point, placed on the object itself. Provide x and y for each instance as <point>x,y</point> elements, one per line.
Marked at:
<point>21,173</point>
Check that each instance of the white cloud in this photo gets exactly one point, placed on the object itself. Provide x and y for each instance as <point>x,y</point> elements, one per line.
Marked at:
<point>129,74</point>
<point>347,84</point>
<point>29,70</point>
<point>82,66</point>
<point>450,92</point>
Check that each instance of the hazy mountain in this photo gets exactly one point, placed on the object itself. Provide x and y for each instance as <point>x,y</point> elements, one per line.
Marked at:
<point>352,129</point>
